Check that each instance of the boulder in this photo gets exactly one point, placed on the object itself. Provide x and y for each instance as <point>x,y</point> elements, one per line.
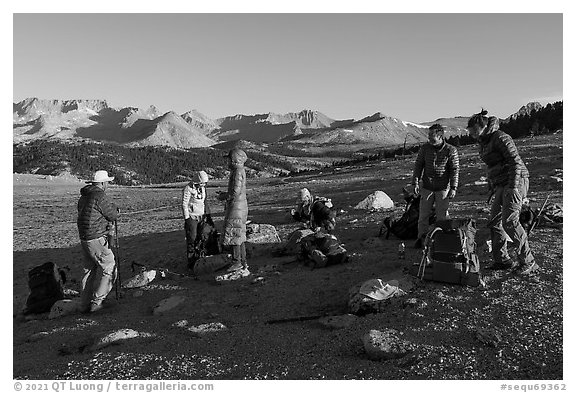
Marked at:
<point>206,328</point>
<point>114,338</point>
<point>261,234</point>
<point>140,280</point>
<point>64,307</point>
<point>212,263</point>
<point>373,296</point>
<point>168,304</point>
<point>386,345</point>
<point>338,321</point>
<point>378,200</point>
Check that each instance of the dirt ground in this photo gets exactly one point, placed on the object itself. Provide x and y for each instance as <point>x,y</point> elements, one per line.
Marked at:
<point>527,312</point>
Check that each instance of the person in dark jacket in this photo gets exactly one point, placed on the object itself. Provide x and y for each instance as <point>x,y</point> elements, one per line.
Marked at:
<point>437,167</point>
<point>236,209</point>
<point>315,212</point>
<point>195,209</point>
<point>508,183</point>
<point>96,213</point>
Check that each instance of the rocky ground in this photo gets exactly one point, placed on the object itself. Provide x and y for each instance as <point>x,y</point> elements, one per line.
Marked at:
<point>510,329</point>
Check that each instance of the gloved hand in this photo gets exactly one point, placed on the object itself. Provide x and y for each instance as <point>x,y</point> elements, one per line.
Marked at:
<point>451,193</point>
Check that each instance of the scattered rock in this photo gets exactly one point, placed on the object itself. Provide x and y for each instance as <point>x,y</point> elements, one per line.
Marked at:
<point>114,338</point>
<point>258,280</point>
<point>140,279</point>
<point>64,307</point>
<point>338,321</point>
<point>70,293</point>
<point>386,345</point>
<point>378,200</point>
<point>181,324</point>
<point>201,330</point>
<point>168,304</point>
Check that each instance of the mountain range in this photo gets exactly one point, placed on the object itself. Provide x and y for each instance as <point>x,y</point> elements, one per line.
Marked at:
<point>95,120</point>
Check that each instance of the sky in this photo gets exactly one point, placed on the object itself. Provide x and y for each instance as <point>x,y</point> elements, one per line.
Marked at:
<point>416,67</point>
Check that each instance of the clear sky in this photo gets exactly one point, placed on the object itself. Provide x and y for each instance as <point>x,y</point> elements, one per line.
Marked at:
<point>416,67</point>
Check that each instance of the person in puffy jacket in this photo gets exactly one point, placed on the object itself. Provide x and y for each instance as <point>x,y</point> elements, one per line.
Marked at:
<point>508,183</point>
<point>437,166</point>
<point>315,212</point>
<point>195,209</point>
<point>236,209</point>
<point>96,215</point>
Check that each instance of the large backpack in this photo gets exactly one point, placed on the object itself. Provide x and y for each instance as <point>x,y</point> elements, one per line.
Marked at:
<point>207,241</point>
<point>450,254</point>
<point>406,227</point>
<point>46,288</point>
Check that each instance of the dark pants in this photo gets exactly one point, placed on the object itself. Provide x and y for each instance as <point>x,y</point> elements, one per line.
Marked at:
<point>239,254</point>
<point>505,221</point>
<point>191,229</point>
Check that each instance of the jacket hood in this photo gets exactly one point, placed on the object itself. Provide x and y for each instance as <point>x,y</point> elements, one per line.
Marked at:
<point>238,157</point>
<point>492,126</point>
<point>90,189</point>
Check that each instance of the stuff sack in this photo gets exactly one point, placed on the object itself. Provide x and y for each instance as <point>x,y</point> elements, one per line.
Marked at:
<point>208,240</point>
<point>406,227</point>
<point>323,249</point>
<point>450,254</point>
<point>46,288</point>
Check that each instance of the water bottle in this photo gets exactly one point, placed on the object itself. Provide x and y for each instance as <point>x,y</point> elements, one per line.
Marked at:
<point>402,251</point>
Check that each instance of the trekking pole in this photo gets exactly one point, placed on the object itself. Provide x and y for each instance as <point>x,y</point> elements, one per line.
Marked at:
<point>117,266</point>
<point>538,215</point>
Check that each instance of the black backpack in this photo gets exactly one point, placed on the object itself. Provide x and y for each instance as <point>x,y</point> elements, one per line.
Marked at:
<point>406,227</point>
<point>46,288</point>
<point>450,254</point>
<point>208,240</point>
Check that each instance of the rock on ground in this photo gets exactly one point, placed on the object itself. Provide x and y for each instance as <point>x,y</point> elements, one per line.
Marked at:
<point>386,345</point>
<point>378,200</point>
<point>113,338</point>
<point>168,304</point>
<point>261,233</point>
<point>140,279</point>
<point>206,328</point>
<point>232,276</point>
<point>64,307</point>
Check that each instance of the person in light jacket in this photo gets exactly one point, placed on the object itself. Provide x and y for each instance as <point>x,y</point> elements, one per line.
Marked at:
<point>236,209</point>
<point>195,209</point>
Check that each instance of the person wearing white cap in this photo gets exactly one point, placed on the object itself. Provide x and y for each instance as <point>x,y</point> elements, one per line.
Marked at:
<point>96,213</point>
<point>195,208</point>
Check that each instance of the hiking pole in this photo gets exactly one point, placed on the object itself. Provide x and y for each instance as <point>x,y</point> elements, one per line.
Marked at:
<point>117,266</point>
<point>538,215</point>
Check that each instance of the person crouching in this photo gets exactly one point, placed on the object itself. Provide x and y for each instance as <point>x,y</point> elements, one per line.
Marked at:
<point>315,212</point>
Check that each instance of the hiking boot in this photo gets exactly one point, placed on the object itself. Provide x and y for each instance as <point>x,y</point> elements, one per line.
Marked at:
<point>503,265</point>
<point>419,243</point>
<point>525,269</point>
<point>95,307</point>
<point>235,266</point>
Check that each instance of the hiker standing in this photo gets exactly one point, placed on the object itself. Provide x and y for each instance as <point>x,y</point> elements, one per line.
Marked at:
<point>508,183</point>
<point>236,209</point>
<point>195,209</point>
<point>96,213</point>
<point>437,166</point>
<point>315,212</point>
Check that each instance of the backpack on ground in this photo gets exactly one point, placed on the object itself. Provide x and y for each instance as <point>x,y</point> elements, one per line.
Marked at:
<point>450,254</point>
<point>208,239</point>
<point>406,227</point>
<point>46,283</point>
<point>323,249</point>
